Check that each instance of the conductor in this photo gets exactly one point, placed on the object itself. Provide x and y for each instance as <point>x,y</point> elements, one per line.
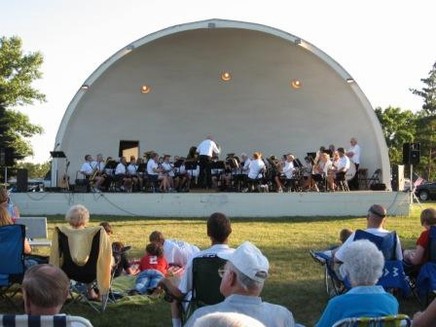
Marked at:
<point>206,149</point>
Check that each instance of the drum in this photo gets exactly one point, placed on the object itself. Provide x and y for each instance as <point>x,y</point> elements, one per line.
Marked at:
<point>350,172</point>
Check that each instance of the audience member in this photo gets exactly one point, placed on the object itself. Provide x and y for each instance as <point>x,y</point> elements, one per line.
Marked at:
<point>121,262</point>
<point>45,289</point>
<point>218,230</point>
<point>426,318</point>
<point>5,219</point>
<point>414,259</point>
<point>227,319</point>
<point>243,278</point>
<point>176,252</point>
<point>362,266</point>
<point>153,267</point>
<point>376,219</point>
<point>6,202</point>
<point>80,242</point>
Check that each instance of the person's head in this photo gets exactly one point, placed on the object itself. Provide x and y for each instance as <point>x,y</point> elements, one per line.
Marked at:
<point>154,249</point>
<point>5,217</point>
<point>218,228</point>
<point>244,156</point>
<point>107,227</point>
<point>245,271</point>
<point>4,196</point>
<point>256,155</point>
<point>376,216</point>
<point>428,217</point>
<point>77,216</point>
<point>341,152</point>
<point>344,234</point>
<point>363,263</point>
<point>45,289</point>
<point>290,157</point>
<point>353,141</point>
<point>99,157</point>
<point>227,319</point>
<point>324,156</point>
<point>157,237</point>
<point>88,157</point>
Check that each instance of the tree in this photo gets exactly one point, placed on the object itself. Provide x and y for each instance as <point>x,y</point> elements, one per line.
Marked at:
<point>398,127</point>
<point>428,92</point>
<point>17,72</point>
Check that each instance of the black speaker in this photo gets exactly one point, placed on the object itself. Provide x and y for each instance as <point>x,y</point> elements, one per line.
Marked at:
<point>415,153</point>
<point>398,178</point>
<point>22,180</point>
<point>411,153</point>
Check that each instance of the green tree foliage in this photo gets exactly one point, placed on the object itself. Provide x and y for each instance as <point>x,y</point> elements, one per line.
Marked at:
<point>428,93</point>
<point>35,170</point>
<point>399,127</point>
<point>17,72</point>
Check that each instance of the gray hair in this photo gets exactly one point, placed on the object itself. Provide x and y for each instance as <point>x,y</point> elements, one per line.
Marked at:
<point>363,263</point>
<point>77,216</point>
<point>227,319</point>
<point>246,282</point>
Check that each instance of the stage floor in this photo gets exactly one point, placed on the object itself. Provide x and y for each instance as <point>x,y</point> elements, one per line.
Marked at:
<point>307,204</point>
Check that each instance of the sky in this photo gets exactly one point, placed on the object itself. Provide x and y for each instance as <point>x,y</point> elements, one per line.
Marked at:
<point>386,46</point>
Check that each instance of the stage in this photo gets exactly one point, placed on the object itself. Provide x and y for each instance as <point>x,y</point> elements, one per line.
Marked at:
<point>248,205</point>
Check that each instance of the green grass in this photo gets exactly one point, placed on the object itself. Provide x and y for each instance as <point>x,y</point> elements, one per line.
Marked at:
<point>295,281</point>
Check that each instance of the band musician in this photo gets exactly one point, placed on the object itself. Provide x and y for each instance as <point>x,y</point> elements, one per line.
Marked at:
<point>90,171</point>
<point>122,177</point>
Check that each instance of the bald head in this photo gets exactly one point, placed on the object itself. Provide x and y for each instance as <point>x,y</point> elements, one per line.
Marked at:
<point>376,215</point>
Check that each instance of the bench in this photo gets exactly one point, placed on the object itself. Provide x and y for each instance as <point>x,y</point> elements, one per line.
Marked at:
<point>36,230</point>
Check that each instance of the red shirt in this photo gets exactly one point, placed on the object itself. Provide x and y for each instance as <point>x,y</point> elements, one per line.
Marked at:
<point>423,240</point>
<point>153,262</point>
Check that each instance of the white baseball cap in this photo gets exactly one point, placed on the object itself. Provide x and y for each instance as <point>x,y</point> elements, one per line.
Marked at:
<point>248,259</point>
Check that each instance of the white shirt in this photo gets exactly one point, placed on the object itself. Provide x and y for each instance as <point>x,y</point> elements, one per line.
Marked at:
<point>179,252</point>
<point>356,153</point>
<point>168,167</point>
<point>121,169</point>
<point>132,169</point>
<point>246,166</point>
<point>288,169</point>
<point>207,148</point>
<point>87,168</point>
<point>343,163</point>
<point>255,168</point>
<point>151,165</point>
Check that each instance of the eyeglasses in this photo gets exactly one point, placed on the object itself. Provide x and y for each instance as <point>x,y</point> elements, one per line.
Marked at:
<point>221,271</point>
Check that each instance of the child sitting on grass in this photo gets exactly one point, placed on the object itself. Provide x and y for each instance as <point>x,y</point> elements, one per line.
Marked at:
<point>153,267</point>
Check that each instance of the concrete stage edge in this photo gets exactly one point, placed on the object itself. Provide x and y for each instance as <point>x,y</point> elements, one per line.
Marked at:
<point>203,204</point>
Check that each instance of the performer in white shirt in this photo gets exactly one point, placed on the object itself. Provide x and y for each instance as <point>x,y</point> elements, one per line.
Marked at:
<point>89,170</point>
<point>206,150</point>
<point>354,154</point>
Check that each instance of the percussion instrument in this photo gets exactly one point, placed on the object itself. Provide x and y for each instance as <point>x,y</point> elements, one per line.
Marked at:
<point>350,172</point>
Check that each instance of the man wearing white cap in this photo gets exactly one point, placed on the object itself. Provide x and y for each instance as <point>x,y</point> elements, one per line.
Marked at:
<point>243,277</point>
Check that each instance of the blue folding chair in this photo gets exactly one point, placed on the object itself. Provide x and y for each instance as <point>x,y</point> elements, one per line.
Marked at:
<point>12,259</point>
<point>426,280</point>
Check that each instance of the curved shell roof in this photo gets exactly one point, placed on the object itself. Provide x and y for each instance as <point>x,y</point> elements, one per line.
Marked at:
<point>258,109</point>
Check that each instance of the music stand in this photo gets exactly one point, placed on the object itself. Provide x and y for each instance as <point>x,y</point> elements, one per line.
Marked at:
<point>217,165</point>
<point>142,167</point>
<point>297,163</point>
<point>111,164</point>
<point>178,163</point>
<point>58,154</point>
<point>191,164</point>
<point>312,155</point>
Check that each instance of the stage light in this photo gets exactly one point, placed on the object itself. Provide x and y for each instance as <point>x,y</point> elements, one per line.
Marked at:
<point>226,76</point>
<point>350,80</point>
<point>296,84</point>
<point>145,89</point>
<point>84,87</point>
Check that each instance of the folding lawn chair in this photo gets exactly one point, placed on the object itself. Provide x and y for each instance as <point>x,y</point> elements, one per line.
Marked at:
<point>11,260</point>
<point>205,284</point>
<point>9,320</point>
<point>426,279</point>
<point>385,321</point>
<point>95,272</point>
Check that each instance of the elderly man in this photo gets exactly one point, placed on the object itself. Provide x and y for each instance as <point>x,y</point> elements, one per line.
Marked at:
<point>218,230</point>
<point>243,278</point>
<point>362,265</point>
<point>376,218</point>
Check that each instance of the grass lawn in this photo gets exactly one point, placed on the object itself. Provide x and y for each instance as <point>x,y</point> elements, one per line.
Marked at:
<point>295,281</point>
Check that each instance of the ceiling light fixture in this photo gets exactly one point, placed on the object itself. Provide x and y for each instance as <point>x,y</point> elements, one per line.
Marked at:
<point>296,84</point>
<point>226,76</point>
<point>145,89</point>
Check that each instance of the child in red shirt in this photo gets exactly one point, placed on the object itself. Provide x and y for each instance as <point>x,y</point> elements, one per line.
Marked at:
<point>153,267</point>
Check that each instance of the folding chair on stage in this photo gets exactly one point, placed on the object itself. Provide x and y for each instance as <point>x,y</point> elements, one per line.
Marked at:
<point>8,320</point>
<point>386,321</point>
<point>11,259</point>
<point>86,257</point>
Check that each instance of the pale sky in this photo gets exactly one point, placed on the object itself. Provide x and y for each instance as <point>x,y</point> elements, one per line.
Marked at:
<point>386,46</point>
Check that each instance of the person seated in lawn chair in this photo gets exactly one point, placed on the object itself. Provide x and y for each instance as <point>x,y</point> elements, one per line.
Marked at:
<point>362,266</point>
<point>218,230</point>
<point>243,277</point>
<point>45,289</point>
